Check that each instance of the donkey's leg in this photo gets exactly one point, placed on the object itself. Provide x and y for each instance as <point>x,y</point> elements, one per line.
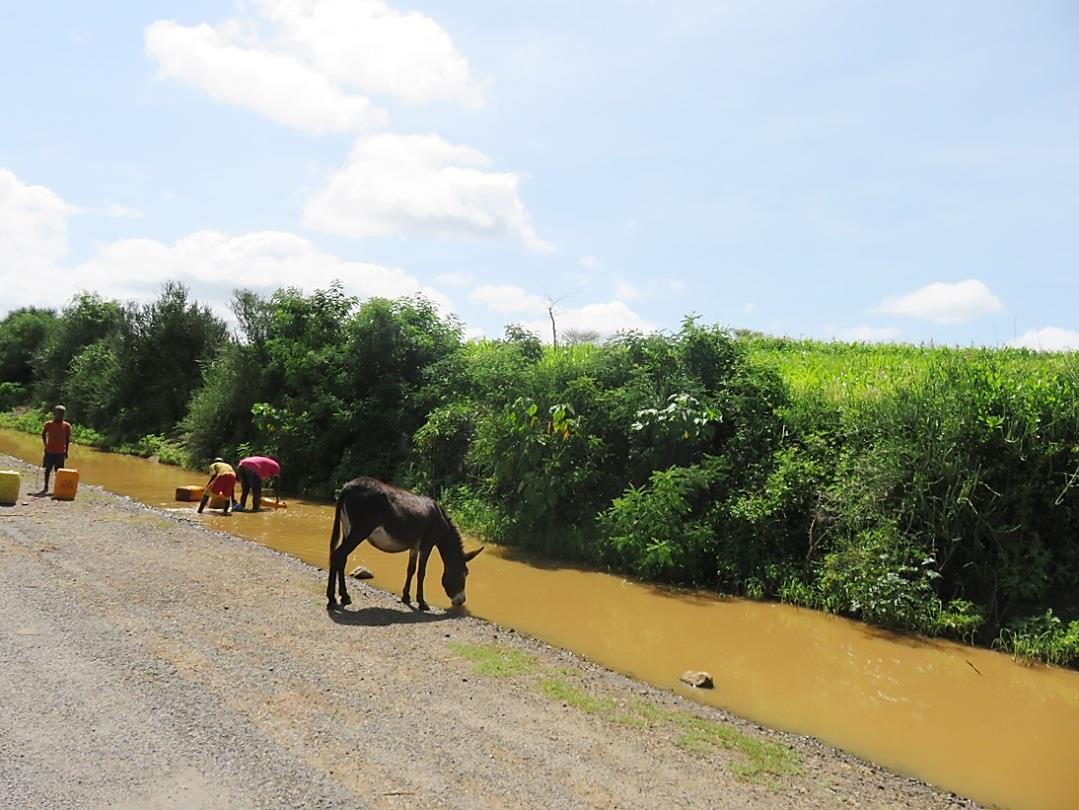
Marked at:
<point>421,603</point>
<point>354,535</point>
<point>406,596</point>
<point>351,541</point>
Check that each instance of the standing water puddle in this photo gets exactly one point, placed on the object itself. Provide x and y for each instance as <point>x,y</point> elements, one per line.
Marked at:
<point>969,720</point>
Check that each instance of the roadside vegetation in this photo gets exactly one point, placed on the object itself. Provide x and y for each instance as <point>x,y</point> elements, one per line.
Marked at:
<point>930,490</point>
<point>761,761</point>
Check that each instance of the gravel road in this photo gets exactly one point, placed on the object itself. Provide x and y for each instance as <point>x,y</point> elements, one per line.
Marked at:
<point>148,662</point>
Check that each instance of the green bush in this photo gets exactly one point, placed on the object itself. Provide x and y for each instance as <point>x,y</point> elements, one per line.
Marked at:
<point>12,394</point>
<point>920,488</point>
<point>1043,637</point>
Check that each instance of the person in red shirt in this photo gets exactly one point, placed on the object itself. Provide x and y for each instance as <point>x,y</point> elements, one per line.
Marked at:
<point>57,438</point>
<point>251,472</point>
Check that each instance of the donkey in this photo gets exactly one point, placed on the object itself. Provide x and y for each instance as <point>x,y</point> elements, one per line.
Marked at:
<point>394,520</point>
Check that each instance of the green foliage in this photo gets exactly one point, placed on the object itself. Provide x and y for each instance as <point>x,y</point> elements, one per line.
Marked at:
<point>878,576</point>
<point>156,447</point>
<point>1042,637</point>
<point>90,385</point>
<point>161,349</point>
<point>926,489</point>
<point>12,394</point>
<point>332,387</point>
<point>661,531</point>
<point>23,332</point>
<point>86,320</point>
<point>32,420</point>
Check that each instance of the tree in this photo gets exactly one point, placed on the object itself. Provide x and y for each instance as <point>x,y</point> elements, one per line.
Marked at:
<point>163,345</point>
<point>22,334</point>
<point>86,320</point>
<point>578,337</point>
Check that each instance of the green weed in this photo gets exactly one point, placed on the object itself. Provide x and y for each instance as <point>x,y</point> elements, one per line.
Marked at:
<point>761,759</point>
<point>495,661</point>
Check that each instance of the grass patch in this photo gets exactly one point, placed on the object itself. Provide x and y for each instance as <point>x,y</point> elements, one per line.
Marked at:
<point>762,758</point>
<point>567,693</point>
<point>495,661</point>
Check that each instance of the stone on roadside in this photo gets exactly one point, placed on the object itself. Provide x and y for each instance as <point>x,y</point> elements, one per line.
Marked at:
<point>359,572</point>
<point>698,680</point>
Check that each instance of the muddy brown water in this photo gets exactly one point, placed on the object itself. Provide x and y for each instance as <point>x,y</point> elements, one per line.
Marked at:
<point>968,720</point>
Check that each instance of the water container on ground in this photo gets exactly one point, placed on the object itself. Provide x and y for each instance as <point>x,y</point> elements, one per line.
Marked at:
<point>9,487</point>
<point>189,493</point>
<point>67,484</point>
<point>219,501</point>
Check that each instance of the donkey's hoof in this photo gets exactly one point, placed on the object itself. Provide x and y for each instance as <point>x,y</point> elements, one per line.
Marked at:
<point>346,600</point>
<point>423,607</point>
<point>406,599</point>
<point>331,605</point>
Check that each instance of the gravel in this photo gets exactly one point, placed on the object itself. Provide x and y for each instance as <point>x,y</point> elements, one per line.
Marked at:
<point>148,662</point>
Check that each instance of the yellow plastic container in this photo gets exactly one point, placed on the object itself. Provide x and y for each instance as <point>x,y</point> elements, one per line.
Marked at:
<point>67,484</point>
<point>219,501</point>
<point>9,487</point>
<point>189,493</point>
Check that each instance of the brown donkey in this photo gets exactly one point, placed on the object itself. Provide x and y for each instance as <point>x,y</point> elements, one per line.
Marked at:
<point>395,520</point>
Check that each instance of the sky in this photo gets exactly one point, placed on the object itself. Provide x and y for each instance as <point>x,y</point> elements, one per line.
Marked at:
<point>872,171</point>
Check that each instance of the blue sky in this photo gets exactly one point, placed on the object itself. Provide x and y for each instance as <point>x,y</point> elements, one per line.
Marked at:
<point>854,170</point>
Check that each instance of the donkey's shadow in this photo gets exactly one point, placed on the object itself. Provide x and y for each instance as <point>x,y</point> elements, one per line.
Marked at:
<point>384,616</point>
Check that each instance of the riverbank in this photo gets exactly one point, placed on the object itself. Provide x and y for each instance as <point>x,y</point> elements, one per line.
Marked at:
<point>150,661</point>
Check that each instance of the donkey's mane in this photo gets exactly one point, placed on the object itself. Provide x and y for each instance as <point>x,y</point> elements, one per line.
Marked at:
<point>452,541</point>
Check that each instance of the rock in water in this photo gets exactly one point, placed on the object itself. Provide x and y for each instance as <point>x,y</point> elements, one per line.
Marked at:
<point>359,572</point>
<point>698,680</point>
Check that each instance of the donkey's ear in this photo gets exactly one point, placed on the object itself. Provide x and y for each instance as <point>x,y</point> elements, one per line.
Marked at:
<point>471,555</point>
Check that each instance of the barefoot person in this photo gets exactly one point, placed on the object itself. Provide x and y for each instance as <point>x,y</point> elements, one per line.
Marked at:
<point>57,438</point>
<point>222,482</point>
<point>252,471</point>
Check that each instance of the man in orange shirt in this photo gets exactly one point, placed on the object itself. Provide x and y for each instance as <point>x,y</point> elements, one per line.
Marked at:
<point>57,438</point>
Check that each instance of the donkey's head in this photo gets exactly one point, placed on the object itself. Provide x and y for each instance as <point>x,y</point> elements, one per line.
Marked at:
<point>454,576</point>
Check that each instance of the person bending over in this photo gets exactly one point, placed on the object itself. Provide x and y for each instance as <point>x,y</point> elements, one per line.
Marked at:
<point>222,482</point>
<point>57,438</point>
<point>252,471</point>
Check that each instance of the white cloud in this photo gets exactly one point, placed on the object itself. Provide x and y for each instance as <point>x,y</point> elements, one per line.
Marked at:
<point>507,298</point>
<point>455,279</point>
<point>33,245</point>
<point>420,184</point>
<point>866,334</point>
<point>1049,339</point>
<point>312,64</point>
<point>626,291</point>
<point>33,238</point>
<point>749,306</point>
<point>274,84</point>
<point>944,303</point>
<point>677,285</point>
<point>606,318</point>
<point>214,263</point>
<point>375,49</point>
<point>588,262</point>
<point>116,211</point>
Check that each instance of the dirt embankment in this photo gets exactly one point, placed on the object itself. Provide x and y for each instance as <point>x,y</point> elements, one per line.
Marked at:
<point>147,662</point>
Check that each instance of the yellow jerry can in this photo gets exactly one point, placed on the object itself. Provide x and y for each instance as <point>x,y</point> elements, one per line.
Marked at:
<point>219,501</point>
<point>189,493</point>
<point>67,484</point>
<point>9,487</point>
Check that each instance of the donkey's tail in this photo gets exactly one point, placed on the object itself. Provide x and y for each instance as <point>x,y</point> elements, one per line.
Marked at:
<point>336,526</point>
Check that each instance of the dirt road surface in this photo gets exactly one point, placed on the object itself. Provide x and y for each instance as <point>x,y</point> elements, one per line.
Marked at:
<point>148,662</point>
